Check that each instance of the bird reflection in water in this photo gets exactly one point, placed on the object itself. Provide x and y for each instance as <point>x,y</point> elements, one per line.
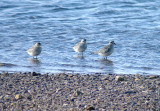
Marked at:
<point>106,66</point>
<point>35,65</point>
<point>105,61</point>
<point>34,61</point>
<point>79,56</point>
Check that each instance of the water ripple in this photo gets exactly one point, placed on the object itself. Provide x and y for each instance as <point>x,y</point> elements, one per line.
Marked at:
<point>133,24</point>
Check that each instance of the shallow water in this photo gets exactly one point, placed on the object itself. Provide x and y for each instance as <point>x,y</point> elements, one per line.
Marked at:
<point>134,25</point>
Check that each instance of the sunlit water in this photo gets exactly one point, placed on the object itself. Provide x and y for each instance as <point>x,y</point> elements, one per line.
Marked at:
<point>134,25</point>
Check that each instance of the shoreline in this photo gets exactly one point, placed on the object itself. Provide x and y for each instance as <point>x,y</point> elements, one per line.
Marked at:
<point>77,92</point>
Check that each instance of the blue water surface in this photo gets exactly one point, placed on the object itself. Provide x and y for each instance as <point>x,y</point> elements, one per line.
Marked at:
<point>134,25</point>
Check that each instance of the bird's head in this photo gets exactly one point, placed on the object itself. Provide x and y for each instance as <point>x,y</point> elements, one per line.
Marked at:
<point>83,40</point>
<point>38,44</point>
<point>112,42</point>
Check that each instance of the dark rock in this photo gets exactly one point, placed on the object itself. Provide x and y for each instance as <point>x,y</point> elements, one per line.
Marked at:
<point>133,104</point>
<point>152,88</point>
<point>29,98</point>
<point>130,92</point>
<point>79,93</point>
<point>35,74</point>
<point>72,99</point>
<point>90,108</point>
<point>10,86</point>
<point>119,78</point>
<point>153,77</point>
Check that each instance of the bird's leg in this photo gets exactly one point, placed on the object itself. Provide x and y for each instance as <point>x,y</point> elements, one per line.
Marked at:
<point>82,53</point>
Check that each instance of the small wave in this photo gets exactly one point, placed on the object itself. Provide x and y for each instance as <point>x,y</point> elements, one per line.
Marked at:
<point>7,65</point>
<point>140,68</point>
<point>83,7</point>
<point>108,12</point>
<point>83,66</point>
<point>7,6</point>
<point>59,8</point>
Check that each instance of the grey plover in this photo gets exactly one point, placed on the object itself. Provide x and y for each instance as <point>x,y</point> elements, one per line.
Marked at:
<point>106,50</point>
<point>81,46</point>
<point>35,50</point>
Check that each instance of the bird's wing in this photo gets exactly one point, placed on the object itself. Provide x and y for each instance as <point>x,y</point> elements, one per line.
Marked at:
<point>83,45</point>
<point>104,49</point>
<point>77,45</point>
<point>107,48</point>
<point>31,48</point>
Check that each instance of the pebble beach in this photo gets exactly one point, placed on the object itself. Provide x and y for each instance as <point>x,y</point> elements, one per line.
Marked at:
<point>33,91</point>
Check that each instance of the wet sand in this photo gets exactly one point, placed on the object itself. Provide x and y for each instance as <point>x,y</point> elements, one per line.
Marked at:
<point>76,92</point>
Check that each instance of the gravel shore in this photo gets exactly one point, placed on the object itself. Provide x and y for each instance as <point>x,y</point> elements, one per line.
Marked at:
<point>76,92</point>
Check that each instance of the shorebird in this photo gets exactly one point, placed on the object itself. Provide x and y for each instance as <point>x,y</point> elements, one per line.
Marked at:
<point>35,50</point>
<point>106,50</point>
<point>81,46</point>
